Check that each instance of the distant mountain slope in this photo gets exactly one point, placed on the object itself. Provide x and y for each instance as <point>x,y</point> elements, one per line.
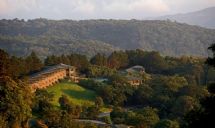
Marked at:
<point>91,36</point>
<point>204,18</point>
<point>44,46</point>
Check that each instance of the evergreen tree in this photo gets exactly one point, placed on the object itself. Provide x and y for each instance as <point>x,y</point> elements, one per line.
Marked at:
<point>34,64</point>
<point>118,60</point>
<point>99,59</point>
<point>15,103</point>
<point>4,63</point>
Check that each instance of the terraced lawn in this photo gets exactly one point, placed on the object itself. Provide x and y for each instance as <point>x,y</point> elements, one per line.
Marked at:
<point>76,94</point>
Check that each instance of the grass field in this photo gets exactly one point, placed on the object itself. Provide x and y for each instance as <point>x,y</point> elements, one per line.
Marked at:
<point>76,94</point>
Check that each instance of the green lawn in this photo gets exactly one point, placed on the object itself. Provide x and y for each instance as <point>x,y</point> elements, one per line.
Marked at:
<point>76,94</point>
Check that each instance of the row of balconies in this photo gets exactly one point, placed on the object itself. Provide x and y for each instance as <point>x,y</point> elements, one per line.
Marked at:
<point>48,79</point>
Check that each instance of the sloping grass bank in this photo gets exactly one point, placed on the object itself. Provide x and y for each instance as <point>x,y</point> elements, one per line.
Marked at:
<point>75,93</point>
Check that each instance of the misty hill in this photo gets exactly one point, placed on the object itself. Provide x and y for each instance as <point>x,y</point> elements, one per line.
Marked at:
<point>90,36</point>
<point>204,18</point>
<point>44,46</point>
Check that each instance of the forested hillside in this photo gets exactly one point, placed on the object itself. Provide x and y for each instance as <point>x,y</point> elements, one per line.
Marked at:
<point>88,37</point>
<point>51,45</point>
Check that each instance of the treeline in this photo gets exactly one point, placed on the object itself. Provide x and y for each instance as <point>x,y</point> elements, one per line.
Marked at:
<point>18,67</point>
<point>22,45</point>
<point>192,68</point>
<point>101,65</point>
<point>48,37</point>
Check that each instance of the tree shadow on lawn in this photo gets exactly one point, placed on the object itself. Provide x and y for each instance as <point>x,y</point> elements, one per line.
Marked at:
<point>80,95</point>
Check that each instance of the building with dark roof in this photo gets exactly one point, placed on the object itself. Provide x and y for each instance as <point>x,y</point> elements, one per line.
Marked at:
<point>134,75</point>
<point>51,75</point>
<point>136,69</point>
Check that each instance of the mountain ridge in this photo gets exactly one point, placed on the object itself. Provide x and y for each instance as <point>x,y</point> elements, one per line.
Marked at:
<point>68,36</point>
<point>204,17</point>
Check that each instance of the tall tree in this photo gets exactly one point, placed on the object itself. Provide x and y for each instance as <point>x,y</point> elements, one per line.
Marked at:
<point>51,60</point>
<point>211,60</point>
<point>15,103</point>
<point>99,59</point>
<point>148,117</point>
<point>118,60</point>
<point>79,61</point>
<point>42,102</point>
<point>33,62</point>
<point>4,63</point>
<point>153,62</point>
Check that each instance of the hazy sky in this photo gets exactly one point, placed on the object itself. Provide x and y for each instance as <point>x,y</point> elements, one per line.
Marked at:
<point>97,9</point>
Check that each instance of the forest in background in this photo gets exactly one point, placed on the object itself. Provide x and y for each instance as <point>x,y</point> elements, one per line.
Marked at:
<point>88,37</point>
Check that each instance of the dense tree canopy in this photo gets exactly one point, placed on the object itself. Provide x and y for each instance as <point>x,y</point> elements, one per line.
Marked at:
<point>171,88</point>
<point>89,37</point>
<point>4,63</point>
<point>99,59</point>
<point>204,115</point>
<point>15,103</point>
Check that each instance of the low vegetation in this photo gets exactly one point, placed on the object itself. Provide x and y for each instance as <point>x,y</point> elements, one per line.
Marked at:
<point>75,93</point>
